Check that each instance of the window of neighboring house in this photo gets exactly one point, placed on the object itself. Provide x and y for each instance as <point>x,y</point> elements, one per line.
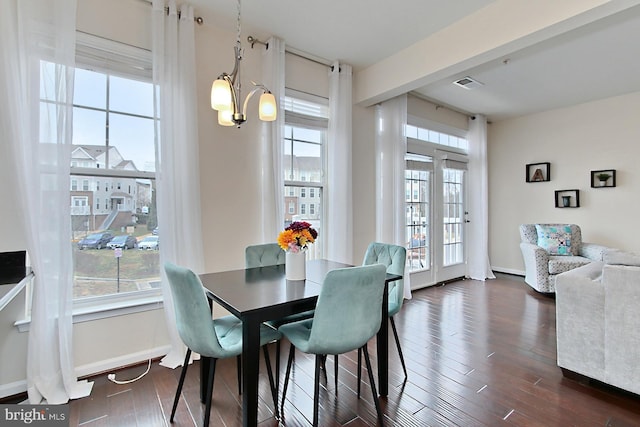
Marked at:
<point>312,209</point>
<point>292,208</point>
<point>312,192</point>
<point>304,140</point>
<point>113,125</point>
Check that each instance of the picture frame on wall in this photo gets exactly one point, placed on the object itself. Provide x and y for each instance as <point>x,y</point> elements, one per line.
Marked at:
<point>567,198</point>
<point>538,172</point>
<point>605,178</point>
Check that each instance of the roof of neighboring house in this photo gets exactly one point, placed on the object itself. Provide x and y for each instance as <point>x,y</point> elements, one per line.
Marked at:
<point>94,151</point>
<point>126,164</point>
<point>304,163</point>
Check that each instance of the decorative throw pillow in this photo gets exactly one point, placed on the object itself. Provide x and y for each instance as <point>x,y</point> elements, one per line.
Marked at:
<point>555,239</point>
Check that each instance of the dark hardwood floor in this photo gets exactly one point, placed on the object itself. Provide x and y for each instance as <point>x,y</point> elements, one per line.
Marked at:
<point>478,354</point>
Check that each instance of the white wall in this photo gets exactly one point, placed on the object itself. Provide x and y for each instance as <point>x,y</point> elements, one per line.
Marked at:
<point>593,136</point>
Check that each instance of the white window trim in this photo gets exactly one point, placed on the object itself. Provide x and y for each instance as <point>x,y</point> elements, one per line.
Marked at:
<point>108,306</point>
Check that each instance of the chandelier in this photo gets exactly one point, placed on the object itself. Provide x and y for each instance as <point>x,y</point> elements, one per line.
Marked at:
<point>226,93</point>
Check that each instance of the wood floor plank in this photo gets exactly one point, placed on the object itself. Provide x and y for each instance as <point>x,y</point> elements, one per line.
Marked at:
<point>477,353</point>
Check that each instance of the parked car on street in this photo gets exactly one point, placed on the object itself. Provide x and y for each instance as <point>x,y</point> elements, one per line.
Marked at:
<point>95,241</point>
<point>155,231</point>
<point>149,242</point>
<point>125,242</point>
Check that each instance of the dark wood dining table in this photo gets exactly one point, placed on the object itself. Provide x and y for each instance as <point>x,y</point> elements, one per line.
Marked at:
<point>256,295</point>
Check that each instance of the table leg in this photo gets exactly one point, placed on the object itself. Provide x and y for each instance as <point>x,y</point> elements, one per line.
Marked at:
<point>205,366</point>
<point>382,341</point>
<point>250,370</point>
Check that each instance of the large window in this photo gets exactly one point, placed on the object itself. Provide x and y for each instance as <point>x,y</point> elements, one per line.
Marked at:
<point>304,144</point>
<point>439,138</point>
<point>112,183</point>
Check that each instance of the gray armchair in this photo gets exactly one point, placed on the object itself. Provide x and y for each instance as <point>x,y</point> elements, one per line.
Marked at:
<point>551,249</point>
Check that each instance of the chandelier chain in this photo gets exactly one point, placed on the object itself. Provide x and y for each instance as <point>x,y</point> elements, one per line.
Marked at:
<point>238,28</point>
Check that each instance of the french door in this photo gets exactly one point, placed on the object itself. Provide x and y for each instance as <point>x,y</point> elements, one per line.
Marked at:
<point>435,216</point>
<point>451,260</point>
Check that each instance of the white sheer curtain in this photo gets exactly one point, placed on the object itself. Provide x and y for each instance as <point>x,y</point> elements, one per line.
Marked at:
<point>391,147</point>
<point>272,202</point>
<point>479,265</point>
<point>339,200</point>
<point>38,58</point>
<point>178,177</point>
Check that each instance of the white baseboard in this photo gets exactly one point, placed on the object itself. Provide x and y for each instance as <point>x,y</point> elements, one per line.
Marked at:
<point>114,363</point>
<point>120,361</point>
<point>13,388</point>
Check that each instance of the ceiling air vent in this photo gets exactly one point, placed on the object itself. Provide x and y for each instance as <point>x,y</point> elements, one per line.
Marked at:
<point>467,83</point>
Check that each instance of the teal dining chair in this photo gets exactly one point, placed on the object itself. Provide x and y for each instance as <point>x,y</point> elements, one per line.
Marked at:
<point>212,338</point>
<point>394,258</point>
<point>265,255</point>
<point>345,319</point>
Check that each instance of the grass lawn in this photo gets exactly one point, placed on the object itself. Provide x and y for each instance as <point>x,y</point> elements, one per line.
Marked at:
<point>96,271</point>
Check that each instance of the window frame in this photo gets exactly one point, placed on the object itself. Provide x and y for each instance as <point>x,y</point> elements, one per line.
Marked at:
<point>320,123</point>
<point>129,62</point>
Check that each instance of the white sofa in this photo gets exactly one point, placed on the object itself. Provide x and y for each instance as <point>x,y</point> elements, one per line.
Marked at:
<point>543,263</point>
<point>598,320</point>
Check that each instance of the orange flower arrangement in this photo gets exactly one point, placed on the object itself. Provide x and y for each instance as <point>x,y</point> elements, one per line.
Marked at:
<point>297,237</point>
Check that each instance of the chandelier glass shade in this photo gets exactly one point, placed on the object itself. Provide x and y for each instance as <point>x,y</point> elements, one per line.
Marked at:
<point>226,94</point>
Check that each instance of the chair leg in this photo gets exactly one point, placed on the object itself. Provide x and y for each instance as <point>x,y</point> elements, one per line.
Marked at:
<point>239,368</point>
<point>373,385</point>
<point>316,388</point>
<point>180,383</point>
<point>207,410</point>
<point>277,377</point>
<point>395,335</point>
<point>335,371</point>
<point>274,392</point>
<point>359,370</point>
<point>286,377</point>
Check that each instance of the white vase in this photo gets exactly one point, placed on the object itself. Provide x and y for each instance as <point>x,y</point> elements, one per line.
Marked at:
<point>295,265</point>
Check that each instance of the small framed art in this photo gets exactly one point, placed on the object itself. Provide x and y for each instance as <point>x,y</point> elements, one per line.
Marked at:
<point>603,178</point>
<point>538,172</point>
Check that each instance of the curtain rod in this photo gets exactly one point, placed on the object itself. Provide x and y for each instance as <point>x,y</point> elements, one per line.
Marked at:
<point>252,40</point>
<point>197,19</point>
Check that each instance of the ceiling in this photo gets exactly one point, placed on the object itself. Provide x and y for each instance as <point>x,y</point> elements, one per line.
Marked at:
<point>593,61</point>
